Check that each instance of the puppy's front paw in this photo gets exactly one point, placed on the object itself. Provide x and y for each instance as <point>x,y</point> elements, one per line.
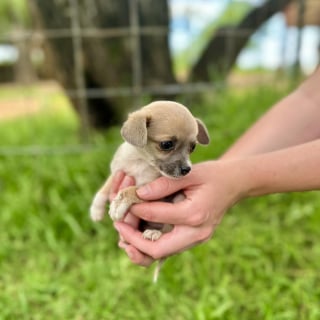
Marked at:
<point>97,209</point>
<point>118,208</point>
<point>152,234</point>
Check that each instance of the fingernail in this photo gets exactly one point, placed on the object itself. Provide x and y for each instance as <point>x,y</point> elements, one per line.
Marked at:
<point>118,174</point>
<point>127,181</point>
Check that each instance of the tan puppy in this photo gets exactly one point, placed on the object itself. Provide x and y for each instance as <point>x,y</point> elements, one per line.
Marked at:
<point>158,141</point>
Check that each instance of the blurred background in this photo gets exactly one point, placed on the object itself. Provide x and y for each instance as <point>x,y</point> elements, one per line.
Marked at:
<point>103,54</point>
<point>70,71</point>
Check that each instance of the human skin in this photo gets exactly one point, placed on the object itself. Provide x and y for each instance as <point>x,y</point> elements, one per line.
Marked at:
<point>283,141</point>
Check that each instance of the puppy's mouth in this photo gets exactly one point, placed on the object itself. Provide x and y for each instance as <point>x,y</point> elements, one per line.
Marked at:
<point>174,171</point>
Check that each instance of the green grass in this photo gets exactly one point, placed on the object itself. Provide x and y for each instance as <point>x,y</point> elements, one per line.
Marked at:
<point>262,262</point>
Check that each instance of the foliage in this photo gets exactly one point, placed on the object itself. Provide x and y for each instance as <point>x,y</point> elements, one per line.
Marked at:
<point>13,13</point>
<point>262,262</point>
<point>232,14</point>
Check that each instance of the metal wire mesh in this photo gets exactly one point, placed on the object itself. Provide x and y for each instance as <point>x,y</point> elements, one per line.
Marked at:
<point>136,90</point>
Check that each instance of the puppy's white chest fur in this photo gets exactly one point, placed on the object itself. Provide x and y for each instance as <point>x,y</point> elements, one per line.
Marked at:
<point>129,159</point>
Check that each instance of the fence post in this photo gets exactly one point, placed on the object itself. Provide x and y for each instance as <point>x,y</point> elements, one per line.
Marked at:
<point>136,52</point>
<point>80,92</point>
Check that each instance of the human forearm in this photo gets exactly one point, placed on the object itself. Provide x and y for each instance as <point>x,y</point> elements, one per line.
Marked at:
<point>292,121</point>
<point>287,170</point>
<point>211,189</point>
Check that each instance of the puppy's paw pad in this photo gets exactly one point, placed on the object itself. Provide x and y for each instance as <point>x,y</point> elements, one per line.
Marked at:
<point>118,209</point>
<point>152,234</point>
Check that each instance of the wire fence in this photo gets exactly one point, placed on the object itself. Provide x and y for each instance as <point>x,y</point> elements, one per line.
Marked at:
<point>136,90</point>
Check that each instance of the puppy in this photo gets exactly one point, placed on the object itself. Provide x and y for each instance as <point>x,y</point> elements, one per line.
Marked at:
<point>159,139</point>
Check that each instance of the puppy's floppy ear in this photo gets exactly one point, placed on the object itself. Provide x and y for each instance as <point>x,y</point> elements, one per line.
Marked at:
<point>134,130</point>
<point>203,135</point>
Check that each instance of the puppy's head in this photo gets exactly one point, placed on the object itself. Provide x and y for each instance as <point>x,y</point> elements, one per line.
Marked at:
<point>166,133</point>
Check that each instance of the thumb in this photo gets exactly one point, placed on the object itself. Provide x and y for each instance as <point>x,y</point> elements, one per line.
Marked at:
<point>160,188</point>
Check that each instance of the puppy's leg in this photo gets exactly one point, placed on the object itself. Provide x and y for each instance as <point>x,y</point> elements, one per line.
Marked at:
<point>152,234</point>
<point>155,230</point>
<point>98,206</point>
<point>122,202</point>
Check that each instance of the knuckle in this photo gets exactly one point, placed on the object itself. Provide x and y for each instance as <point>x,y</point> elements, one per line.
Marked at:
<point>205,234</point>
<point>196,219</point>
<point>199,217</point>
<point>193,220</point>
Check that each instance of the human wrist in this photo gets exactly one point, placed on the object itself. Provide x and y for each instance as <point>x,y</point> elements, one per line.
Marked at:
<point>238,175</point>
<point>248,177</point>
<point>288,170</point>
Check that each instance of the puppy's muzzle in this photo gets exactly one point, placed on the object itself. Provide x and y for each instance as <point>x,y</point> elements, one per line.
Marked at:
<point>184,170</point>
<point>175,169</point>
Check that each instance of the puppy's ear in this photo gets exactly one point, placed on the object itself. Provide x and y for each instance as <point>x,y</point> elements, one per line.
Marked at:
<point>203,135</point>
<point>134,130</point>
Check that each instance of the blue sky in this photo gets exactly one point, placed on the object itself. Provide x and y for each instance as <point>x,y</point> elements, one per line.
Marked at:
<point>274,45</point>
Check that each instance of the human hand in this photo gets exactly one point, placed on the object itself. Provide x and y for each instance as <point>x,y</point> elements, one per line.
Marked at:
<point>210,190</point>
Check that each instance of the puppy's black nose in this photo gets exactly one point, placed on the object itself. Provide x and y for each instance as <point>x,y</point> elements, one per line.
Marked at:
<point>185,170</point>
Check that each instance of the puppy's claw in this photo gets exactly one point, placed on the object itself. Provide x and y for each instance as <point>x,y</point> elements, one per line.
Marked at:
<point>152,234</point>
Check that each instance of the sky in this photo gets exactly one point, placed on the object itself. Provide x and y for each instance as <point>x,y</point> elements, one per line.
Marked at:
<point>274,44</point>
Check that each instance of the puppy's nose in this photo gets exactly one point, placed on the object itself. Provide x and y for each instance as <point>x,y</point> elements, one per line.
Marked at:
<point>185,170</point>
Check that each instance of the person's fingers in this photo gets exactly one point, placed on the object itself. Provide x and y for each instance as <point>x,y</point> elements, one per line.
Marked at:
<point>135,255</point>
<point>115,185</point>
<point>120,181</point>
<point>166,212</point>
<point>127,182</point>
<point>132,220</point>
<point>179,239</point>
<point>160,188</point>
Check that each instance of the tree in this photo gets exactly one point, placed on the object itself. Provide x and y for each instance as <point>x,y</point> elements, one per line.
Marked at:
<point>224,47</point>
<point>14,18</point>
<point>107,61</point>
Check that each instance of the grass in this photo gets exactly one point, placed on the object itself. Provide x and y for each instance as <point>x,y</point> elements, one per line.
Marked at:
<point>262,262</point>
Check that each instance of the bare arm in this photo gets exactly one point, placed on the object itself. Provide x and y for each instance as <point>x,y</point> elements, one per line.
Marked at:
<point>211,189</point>
<point>292,121</point>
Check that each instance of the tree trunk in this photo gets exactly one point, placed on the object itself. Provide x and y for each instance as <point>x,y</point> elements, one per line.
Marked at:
<point>107,62</point>
<point>224,48</point>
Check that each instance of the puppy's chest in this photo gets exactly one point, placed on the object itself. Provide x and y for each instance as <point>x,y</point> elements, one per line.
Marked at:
<point>130,161</point>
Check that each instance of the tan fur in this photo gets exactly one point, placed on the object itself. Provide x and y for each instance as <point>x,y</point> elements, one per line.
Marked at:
<point>142,156</point>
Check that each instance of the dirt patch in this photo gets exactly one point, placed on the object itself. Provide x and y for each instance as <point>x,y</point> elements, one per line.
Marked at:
<point>18,102</point>
<point>17,108</point>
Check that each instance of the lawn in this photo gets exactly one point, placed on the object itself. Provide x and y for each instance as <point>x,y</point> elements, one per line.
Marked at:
<point>262,262</point>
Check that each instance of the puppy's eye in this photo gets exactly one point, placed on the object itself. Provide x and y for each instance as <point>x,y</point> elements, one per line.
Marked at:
<point>166,145</point>
<point>192,147</point>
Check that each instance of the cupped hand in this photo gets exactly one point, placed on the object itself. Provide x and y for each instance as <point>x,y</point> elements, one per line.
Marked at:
<point>210,190</point>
